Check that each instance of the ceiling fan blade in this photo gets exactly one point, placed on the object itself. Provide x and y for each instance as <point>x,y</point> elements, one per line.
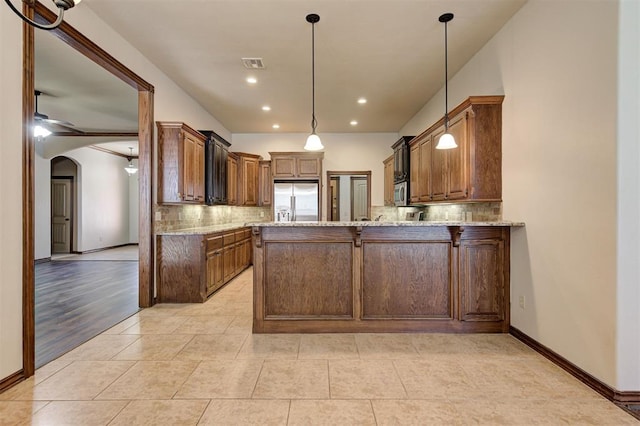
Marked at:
<point>62,123</point>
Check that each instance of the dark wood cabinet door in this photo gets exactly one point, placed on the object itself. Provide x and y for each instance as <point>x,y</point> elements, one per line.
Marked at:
<point>266,183</point>
<point>388,181</point>
<point>415,184</point>
<point>438,168</point>
<point>457,164</point>
<point>424,172</point>
<point>482,280</point>
<point>232,180</point>
<point>249,181</point>
<point>220,155</point>
<point>188,167</point>
<point>198,171</point>
<point>229,259</point>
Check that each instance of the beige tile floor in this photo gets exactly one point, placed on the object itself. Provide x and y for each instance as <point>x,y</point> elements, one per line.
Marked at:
<point>200,364</point>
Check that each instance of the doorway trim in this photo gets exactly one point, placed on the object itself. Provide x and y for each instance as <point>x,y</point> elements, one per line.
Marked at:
<point>83,45</point>
<point>367,173</point>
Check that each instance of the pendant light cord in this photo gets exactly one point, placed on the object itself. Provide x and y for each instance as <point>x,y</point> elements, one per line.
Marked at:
<point>314,123</point>
<point>446,82</point>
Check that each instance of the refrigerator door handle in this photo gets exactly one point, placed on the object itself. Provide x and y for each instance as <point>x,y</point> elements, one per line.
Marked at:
<point>293,208</point>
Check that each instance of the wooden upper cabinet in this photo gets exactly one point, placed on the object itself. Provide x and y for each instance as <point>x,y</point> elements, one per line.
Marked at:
<point>180,164</point>
<point>388,181</point>
<point>415,183</point>
<point>248,165</point>
<point>424,189</point>
<point>296,165</point>
<point>265,183</point>
<point>215,171</point>
<point>232,179</point>
<point>473,170</point>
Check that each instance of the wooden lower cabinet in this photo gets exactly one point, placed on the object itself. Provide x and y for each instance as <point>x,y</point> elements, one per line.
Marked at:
<point>381,279</point>
<point>192,267</point>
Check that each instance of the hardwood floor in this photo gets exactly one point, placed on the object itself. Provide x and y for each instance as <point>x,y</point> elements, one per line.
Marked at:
<point>77,300</point>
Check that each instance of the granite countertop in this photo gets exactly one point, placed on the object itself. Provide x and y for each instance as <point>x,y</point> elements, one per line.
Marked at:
<point>390,223</point>
<point>206,229</point>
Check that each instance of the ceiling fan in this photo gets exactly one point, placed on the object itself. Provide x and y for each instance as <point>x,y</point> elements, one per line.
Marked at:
<point>44,119</point>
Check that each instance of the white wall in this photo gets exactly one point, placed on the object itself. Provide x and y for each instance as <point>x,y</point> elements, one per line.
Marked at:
<point>556,64</point>
<point>170,103</point>
<point>103,211</point>
<point>43,202</point>
<point>134,206</point>
<point>10,193</point>
<point>343,151</point>
<point>628,333</point>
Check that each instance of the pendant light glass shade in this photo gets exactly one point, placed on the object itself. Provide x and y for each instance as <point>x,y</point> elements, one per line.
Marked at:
<point>446,141</point>
<point>313,140</point>
<point>313,143</point>
<point>131,169</point>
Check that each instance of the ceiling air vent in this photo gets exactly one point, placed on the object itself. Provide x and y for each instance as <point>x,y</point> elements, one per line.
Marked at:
<point>253,63</point>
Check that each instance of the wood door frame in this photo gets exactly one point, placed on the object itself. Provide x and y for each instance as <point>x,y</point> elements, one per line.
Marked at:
<point>68,34</point>
<point>366,173</point>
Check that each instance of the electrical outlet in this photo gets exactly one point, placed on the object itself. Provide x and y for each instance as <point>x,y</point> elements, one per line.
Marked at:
<point>158,216</point>
<point>522,302</point>
<point>261,214</point>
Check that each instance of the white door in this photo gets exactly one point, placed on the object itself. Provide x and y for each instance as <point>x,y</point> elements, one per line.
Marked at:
<point>61,215</point>
<point>359,202</point>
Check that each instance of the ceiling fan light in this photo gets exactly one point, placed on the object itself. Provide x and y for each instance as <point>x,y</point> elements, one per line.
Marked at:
<point>131,169</point>
<point>40,132</point>
<point>446,141</point>
<point>313,143</point>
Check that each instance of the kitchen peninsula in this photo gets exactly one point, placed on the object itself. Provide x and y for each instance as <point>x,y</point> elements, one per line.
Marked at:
<point>323,277</point>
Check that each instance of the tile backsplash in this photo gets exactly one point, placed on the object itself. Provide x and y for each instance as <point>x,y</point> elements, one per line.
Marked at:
<point>173,218</point>
<point>478,212</point>
<point>178,217</point>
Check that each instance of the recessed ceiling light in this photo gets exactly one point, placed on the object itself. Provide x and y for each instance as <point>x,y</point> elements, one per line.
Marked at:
<point>276,126</point>
<point>266,108</point>
<point>353,122</point>
<point>252,80</point>
<point>362,101</point>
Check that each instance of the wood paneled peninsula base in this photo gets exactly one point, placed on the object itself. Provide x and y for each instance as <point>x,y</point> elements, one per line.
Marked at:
<point>326,277</point>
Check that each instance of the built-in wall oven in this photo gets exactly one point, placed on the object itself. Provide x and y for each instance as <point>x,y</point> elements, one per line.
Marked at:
<point>401,172</point>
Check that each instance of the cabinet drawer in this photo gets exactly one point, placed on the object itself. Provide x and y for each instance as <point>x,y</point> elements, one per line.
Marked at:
<point>214,243</point>
<point>246,234</point>
<point>229,238</point>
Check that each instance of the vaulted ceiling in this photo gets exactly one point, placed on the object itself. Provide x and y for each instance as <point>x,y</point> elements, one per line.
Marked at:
<point>390,52</point>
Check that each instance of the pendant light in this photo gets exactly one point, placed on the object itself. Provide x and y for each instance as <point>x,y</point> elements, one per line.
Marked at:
<point>131,169</point>
<point>62,5</point>
<point>446,141</point>
<point>313,141</point>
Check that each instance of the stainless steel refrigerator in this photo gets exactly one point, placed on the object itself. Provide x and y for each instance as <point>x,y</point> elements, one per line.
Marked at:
<point>295,202</point>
